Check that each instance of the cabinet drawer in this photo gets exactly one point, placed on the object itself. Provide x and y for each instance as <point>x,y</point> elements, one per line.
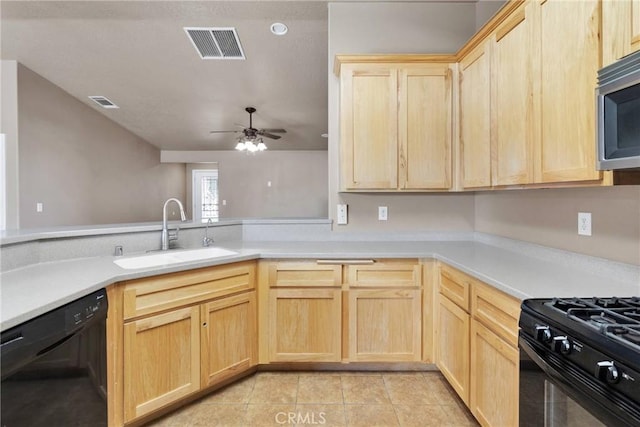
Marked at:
<point>158,293</point>
<point>304,274</point>
<point>456,286</point>
<point>385,274</point>
<point>497,311</point>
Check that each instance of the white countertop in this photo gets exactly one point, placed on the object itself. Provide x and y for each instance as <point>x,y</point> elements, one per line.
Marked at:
<point>33,290</point>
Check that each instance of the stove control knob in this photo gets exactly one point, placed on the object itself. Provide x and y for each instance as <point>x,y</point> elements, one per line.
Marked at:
<point>561,344</point>
<point>608,372</point>
<point>543,334</point>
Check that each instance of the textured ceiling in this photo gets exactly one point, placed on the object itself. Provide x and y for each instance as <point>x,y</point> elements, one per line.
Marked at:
<point>137,54</point>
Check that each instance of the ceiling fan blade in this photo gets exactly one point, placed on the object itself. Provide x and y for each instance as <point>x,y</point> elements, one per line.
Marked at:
<point>268,135</point>
<point>274,130</point>
<point>225,131</point>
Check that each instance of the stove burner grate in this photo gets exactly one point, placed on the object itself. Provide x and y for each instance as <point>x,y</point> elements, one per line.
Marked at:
<point>617,318</point>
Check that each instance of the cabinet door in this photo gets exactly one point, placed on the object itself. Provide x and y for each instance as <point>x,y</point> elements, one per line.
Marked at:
<point>494,380</point>
<point>369,129</point>
<point>229,338</point>
<point>635,26</point>
<point>452,346</point>
<point>511,99</point>
<point>568,72</point>
<point>385,325</point>
<point>475,118</point>
<point>424,127</point>
<point>305,325</point>
<point>161,360</point>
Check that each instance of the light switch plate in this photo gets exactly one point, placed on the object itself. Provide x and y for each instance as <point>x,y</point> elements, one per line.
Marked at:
<point>342,214</point>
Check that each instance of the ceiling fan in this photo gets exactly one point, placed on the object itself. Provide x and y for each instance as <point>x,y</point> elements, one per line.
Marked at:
<point>252,133</point>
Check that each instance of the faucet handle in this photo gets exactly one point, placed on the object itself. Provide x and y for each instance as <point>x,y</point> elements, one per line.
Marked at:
<point>174,235</point>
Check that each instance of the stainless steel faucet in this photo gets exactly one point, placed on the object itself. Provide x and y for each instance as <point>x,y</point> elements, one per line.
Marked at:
<point>166,235</point>
<point>206,240</point>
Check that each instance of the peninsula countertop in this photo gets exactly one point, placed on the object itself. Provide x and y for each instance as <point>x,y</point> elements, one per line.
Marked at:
<point>32,290</point>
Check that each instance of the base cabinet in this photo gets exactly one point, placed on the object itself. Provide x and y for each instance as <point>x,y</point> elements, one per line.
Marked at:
<point>162,360</point>
<point>341,311</point>
<point>452,345</point>
<point>385,325</point>
<point>175,335</point>
<point>306,325</point>
<point>228,337</point>
<point>494,384</point>
<point>477,346</point>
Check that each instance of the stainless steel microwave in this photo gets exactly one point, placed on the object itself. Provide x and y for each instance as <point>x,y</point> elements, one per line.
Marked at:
<point>618,106</point>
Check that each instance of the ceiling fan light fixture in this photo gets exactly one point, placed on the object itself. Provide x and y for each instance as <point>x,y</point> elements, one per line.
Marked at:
<point>279,29</point>
<point>241,146</point>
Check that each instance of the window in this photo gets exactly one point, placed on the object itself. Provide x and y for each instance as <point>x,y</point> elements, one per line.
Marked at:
<point>205,195</point>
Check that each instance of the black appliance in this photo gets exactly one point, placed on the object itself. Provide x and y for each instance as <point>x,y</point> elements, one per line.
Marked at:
<point>580,362</point>
<point>54,367</point>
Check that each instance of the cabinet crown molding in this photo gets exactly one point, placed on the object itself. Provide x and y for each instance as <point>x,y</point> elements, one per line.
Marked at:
<point>391,59</point>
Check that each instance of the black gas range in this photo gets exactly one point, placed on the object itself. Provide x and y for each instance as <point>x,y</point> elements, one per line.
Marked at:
<point>587,348</point>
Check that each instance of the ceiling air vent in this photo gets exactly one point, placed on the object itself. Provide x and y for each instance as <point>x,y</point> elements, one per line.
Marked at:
<point>103,102</point>
<point>216,43</point>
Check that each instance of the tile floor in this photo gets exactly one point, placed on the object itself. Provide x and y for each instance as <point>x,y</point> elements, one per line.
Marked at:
<point>368,399</point>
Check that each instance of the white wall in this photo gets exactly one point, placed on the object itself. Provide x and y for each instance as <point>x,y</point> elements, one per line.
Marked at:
<point>9,127</point>
<point>367,28</point>
<point>298,181</point>
<point>81,166</point>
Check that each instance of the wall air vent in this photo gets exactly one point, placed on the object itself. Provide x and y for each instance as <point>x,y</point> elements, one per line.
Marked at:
<point>103,102</point>
<point>216,43</point>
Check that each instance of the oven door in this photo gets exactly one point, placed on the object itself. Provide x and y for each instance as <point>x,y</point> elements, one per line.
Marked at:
<point>555,394</point>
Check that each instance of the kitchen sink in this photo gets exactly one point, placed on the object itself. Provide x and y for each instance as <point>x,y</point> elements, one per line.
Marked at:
<point>172,257</point>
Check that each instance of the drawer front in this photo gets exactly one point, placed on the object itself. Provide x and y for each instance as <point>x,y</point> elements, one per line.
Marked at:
<point>158,293</point>
<point>304,274</point>
<point>385,274</point>
<point>456,286</point>
<point>497,311</point>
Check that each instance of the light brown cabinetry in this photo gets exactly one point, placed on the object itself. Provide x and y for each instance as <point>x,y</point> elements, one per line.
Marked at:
<point>620,29</point>
<point>452,330</point>
<point>173,335</point>
<point>567,37</point>
<point>228,337</point>
<point>494,379</point>
<point>475,117</point>
<point>511,100</point>
<point>342,312</point>
<point>161,360</point>
<point>533,72</point>
<point>494,385</point>
<point>304,312</point>
<point>384,311</point>
<point>477,346</point>
<point>395,122</point>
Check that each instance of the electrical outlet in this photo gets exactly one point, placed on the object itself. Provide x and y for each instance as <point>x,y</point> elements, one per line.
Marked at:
<point>584,223</point>
<point>39,207</point>
<point>382,213</point>
<point>342,214</point>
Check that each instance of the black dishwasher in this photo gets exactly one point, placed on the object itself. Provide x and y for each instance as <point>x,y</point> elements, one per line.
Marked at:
<point>54,367</point>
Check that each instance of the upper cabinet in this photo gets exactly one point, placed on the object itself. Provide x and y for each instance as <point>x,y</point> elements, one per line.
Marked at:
<point>523,109</point>
<point>566,73</point>
<point>527,104</point>
<point>620,29</point>
<point>395,122</point>
<point>475,117</point>
<point>511,106</point>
